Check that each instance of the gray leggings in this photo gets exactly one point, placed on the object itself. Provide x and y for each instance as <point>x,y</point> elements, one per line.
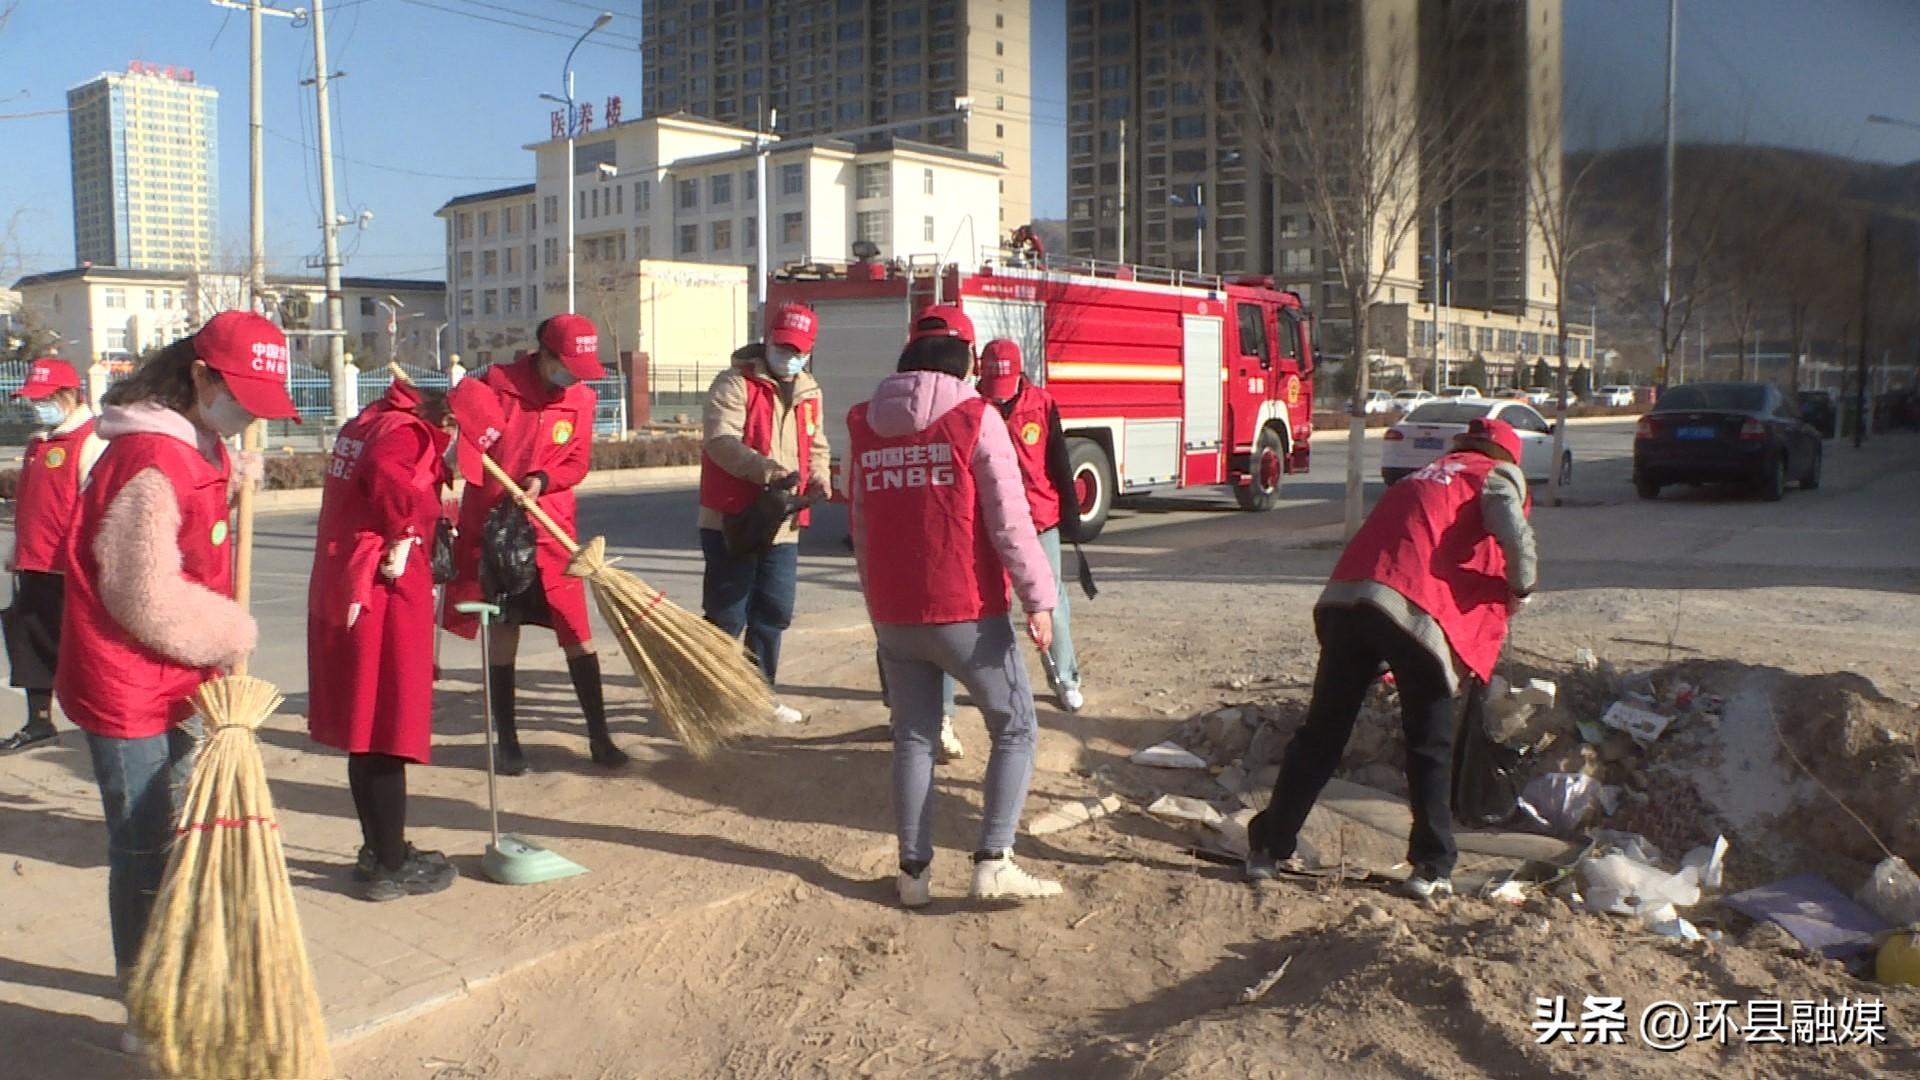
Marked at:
<point>984,656</point>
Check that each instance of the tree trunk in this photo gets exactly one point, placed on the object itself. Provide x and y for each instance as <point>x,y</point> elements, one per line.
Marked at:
<point>1560,408</point>
<point>1355,511</point>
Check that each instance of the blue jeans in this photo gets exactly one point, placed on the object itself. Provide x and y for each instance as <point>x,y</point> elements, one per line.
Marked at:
<point>140,783</point>
<point>1064,661</point>
<point>751,595</point>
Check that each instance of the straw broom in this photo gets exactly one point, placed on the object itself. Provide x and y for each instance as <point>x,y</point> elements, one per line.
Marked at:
<point>702,683</point>
<point>223,987</point>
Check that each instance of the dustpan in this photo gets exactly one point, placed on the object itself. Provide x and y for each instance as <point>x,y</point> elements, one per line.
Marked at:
<point>510,859</point>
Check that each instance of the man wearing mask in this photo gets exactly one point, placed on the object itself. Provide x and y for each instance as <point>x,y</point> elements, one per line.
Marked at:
<point>761,428</point>
<point>55,465</point>
<point>547,442</point>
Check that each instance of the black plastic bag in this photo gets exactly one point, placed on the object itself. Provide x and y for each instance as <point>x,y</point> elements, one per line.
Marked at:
<point>507,566</point>
<point>1487,777</point>
<point>751,531</point>
<point>442,551</point>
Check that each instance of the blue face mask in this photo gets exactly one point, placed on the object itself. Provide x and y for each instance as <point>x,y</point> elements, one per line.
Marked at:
<point>784,362</point>
<point>48,413</point>
<point>559,376</point>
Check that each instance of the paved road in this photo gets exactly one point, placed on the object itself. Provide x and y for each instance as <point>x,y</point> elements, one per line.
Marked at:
<point>1860,522</point>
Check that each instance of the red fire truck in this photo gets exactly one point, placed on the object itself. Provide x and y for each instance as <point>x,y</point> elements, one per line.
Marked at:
<point>1165,379</point>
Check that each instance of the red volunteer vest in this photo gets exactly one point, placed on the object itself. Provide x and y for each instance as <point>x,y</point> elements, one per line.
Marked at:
<point>108,683</point>
<point>44,501</point>
<point>1426,541</point>
<point>348,536</point>
<point>721,490</point>
<point>1027,423</point>
<point>929,558</point>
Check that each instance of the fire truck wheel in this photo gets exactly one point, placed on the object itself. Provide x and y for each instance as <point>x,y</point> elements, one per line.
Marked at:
<point>1092,485</point>
<point>1267,468</point>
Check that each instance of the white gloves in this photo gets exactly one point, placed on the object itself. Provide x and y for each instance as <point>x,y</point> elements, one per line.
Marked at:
<point>394,563</point>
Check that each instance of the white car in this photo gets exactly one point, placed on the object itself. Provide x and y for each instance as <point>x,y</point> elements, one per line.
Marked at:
<point>1460,393</point>
<point>1426,432</point>
<point>1379,401</point>
<point>1539,396</point>
<point>1618,397</point>
<point>1405,400</point>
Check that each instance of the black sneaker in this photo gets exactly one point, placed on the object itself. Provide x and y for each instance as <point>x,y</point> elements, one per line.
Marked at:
<point>418,876</point>
<point>31,735</point>
<point>608,756</point>
<point>508,760</point>
<point>366,864</point>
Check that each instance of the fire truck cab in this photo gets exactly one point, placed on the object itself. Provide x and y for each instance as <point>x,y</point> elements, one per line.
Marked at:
<point>1165,379</point>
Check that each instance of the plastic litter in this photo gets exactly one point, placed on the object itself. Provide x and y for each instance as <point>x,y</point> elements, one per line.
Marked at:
<point>1559,802</point>
<point>1898,961</point>
<point>1592,732</point>
<point>1644,725</point>
<point>1709,862</point>
<point>1067,815</point>
<point>1507,892</point>
<point>1232,831</point>
<point>1183,808</point>
<point>1168,755</point>
<point>1818,915</point>
<point>1622,884</point>
<point>1585,660</point>
<point>1892,892</point>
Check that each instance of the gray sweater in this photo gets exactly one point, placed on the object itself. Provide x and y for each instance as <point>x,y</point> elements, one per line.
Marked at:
<point>1503,512</point>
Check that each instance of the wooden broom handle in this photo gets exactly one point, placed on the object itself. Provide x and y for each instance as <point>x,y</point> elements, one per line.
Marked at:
<point>529,504</point>
<point>243,537</point>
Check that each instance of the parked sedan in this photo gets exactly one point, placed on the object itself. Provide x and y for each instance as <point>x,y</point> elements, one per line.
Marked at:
<point>1740,433</point>
<point>1460,393</point>
<point>1618,397</point>
<point>1407,400</point>
<point>1379,401</point>
<point>1426,432</point>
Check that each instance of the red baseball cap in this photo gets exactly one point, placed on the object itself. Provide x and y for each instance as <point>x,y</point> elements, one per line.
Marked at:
<point>46,375</point>
<point>999,369</point>
<point>476,408</point>
<point>794,326</point>
<point>1497,432</point>
<point>250,353</point>
<point>943,320</point>
<point>576,342</point>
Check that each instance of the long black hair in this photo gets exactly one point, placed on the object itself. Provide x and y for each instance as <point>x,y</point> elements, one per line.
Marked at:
<point>164,378</point>
<point>947,355</point>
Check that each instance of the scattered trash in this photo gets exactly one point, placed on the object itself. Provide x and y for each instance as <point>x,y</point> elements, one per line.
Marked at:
<point>1585,660</point>
<point>1067,815</point>
<point>1898,961</point>
<point>1892,892</point>
<point>1559,802</point>
<point>1677,927</point>
<point>1709,862</point>
<point>1232,831</point>
<point>1168,755</point>
<point>1818,915</point>
<point>1083,920</point>
<point>1233,779</point>
<point>1644,725</point>
<point>1625,885</point>
<point>1591,731</point>
<point>1183,808</point>
<point>1507,892</point>
<point>1259,990</point>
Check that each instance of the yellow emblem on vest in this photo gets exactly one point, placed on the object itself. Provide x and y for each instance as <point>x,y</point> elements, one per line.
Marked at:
<point>219,532</point>
<point>56,457</point>
<point>1030,434</point>
<point>562,432</point>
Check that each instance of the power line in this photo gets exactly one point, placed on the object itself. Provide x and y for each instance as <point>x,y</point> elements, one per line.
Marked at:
<point>518,14</point>
<point>394,168</point>
<point>520,26</point>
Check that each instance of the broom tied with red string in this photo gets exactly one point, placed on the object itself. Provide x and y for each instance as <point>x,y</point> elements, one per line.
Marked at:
<point>702,682</point>
<point>223,987</point>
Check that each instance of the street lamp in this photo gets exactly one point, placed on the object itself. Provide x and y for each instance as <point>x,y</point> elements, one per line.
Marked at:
<point>566,73</point>
<point>1199,204</point>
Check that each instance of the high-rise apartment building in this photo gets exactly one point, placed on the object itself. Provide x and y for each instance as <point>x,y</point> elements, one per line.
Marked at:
<point>1164,167</point>
<point>829,66</point>
<point>145,158</point>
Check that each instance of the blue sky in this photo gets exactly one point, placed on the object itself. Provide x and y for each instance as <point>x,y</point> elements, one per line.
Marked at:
<point>440,97</point>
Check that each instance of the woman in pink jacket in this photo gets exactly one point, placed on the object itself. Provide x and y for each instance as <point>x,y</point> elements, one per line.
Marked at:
<point>940,522</point>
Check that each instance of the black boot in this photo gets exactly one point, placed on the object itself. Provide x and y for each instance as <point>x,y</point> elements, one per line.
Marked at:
<point>508,761</point>
<point>585,672</point>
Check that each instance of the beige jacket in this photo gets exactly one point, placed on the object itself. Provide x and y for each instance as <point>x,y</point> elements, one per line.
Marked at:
<point>724,419</point>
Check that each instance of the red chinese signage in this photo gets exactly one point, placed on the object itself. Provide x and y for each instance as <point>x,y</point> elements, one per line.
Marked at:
<point>583,117</point>
<point>166,71</point>
<point>613,110</point>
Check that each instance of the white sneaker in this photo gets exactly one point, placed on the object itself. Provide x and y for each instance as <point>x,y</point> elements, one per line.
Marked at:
<point>131,1045</point>
<point>787,714</point>
<point>1071,699</point>
<point>1002,879</point>
<point>950,748</point>
<point>916,890</point>
<point>1431,891</point>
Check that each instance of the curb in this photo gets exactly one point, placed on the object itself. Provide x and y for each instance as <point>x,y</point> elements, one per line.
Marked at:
<point>287,502</point>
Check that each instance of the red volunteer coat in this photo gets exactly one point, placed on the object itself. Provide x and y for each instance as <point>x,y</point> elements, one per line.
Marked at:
<point>45,499</point>
<point>1027,423</point>
<point>549,432</point>
<point>1426,541</point>
<point>108,683</point>
<point>929,557</point>
<point>370,685</point>
<point>721,490</point>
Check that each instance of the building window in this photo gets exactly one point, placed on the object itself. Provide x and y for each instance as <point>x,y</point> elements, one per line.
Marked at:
<point>510,220</point>
<point>532,257</point>
<point>1190,127</point>
<point>926,229</point>
<point>490,302</point>
<point>720,236</point>
<point>720,190</point>
<point>513,301</point>
<point>581,210</point>
<point>790,228</point>
<point>486,224</point>
<point>507,254</point>
<point>552,213</point>
<point>874,225</point>
<point>689,195</point>
<point>366,305</point>
<point>533,298</point>
<point>466,303</point>
<point>750,237</point>
<point>793,180</point>
<point>465,222</point>
<point>619,199</point>
<point>552,246</point>
<point>643,241</point>
<point>749,190</point>
<point>689,239</point>
<point>873,181</point>
<point>642,196</point>
<point>114,297</point>
<point>489,263</point>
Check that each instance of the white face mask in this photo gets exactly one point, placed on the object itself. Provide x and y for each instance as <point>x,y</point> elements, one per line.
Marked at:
<point>785,362</point>
<point>48,413</point>
<point>227,415</point>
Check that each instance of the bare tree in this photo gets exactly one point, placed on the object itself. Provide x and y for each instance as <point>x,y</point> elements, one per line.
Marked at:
<point>1334,108</point>
<point>1554,201</point>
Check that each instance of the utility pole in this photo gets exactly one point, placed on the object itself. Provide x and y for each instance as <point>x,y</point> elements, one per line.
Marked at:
<point>344,405</point>
<point>1666,242</point>
<point>1866,308</point>
<point>256,186</point>
<point>1439,379</point>
<point>1122,260</point>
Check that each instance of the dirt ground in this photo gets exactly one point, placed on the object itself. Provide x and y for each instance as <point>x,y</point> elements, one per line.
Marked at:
<point>1139,970</point>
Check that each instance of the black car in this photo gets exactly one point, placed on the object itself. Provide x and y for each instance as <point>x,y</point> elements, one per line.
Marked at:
<point>1725,433</point>
<point>1816,408</point>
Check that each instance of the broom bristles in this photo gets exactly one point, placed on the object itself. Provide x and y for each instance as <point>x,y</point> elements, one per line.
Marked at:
<point>223,987</point>
<point>705,688</point>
